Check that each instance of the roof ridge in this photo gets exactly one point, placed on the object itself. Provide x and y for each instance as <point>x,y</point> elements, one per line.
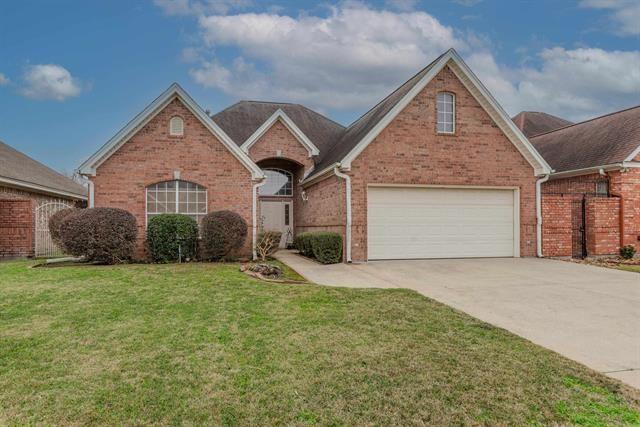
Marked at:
<point>322,115</point>
<point>396,89</point>
<point>587,121</point>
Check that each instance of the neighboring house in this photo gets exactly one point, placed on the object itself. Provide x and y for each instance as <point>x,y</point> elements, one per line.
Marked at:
<point>436,169</point>
<point>533,123</point>
<point>592,200</point>
<point>29,193</point>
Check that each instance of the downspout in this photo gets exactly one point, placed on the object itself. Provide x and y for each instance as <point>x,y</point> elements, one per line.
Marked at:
<point>347,233</point>
<point>254,213</point>
<point>539,214</point>
<point>91,193</point>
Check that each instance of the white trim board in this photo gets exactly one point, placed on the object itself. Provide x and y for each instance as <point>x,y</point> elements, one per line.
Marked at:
<point>174,91</point>
<point>281,116</point>
<point>473,84</point>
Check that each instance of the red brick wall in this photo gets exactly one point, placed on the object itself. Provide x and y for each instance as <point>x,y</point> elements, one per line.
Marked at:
<point>151,156</point>
<point>602,218</point>
<point>584,184</point>
<point>16,228</point>
<point>325,207</point>
<point>557,226</point>
<point>413,153</point>
<point>28,228</point>
<point>278,137</point>
<point>627,185</point>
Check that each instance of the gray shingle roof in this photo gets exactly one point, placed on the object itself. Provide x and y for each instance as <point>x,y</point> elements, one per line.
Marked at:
<point>362,126</point>
<point>601,141</point>
<point>243,118</point>
<point>533,123</point>
<point>17,166</point>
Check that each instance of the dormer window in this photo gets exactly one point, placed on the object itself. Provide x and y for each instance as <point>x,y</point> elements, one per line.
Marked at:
<point>176,126</point>
<point>446,112</point>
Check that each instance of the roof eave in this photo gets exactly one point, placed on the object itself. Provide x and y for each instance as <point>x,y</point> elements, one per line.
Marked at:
<point>41,188</point>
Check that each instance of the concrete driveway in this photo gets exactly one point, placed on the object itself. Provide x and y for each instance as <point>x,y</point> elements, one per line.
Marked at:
<point>588,314</point>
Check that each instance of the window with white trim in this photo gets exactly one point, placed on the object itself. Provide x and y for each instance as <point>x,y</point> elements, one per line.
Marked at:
<point>279,183</point>
<point>446,112</point>
<point>176,126</point>
<point>177,196</point>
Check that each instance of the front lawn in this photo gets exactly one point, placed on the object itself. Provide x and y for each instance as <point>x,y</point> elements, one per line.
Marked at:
<point>204,344</point>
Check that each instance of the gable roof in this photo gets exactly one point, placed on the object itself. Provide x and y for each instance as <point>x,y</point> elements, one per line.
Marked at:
<point>364,130</point>
<point>606,140</point>
<point>174,91</point>
<point>243,119</point>
<point>533,123</point>
<point>18,169</point>
<point>281,116</point>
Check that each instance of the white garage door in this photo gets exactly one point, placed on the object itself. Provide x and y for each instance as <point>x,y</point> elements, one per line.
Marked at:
<point>414,222</point>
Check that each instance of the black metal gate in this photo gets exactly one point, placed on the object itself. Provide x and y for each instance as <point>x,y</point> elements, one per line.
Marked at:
<point>579,236</point>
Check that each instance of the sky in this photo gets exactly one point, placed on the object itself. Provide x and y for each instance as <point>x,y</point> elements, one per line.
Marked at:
<point>72,73</point>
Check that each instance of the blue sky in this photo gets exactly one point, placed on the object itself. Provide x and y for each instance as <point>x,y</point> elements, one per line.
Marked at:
<point>73,72</point>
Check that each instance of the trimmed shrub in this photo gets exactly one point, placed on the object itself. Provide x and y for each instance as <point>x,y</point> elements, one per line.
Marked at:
<point>55,221</point>
<point>627,251</point>
<point>267,243</point>
<point>170,236</point>
<point>104,235</point>
<point>324,246</point>
<point>223,233</point>
<point>327,247</point>
<point>302,242</point>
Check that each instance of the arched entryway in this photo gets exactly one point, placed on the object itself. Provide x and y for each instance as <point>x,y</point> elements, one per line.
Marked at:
<point>278,197</point>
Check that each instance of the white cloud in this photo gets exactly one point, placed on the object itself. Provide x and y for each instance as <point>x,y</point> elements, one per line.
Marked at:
<point>625,14</point>
<point>336,63</point>
<point>4,80</point>
<point>50,81</point>
<point>196,7</point>
<point>326,62</point>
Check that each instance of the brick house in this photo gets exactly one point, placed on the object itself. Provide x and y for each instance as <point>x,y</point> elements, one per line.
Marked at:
<point>436,169</point>
<point>591,202</point>
<point>27,188</point>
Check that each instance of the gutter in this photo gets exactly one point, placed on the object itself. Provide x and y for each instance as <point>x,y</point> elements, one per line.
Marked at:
<point>254,213</point>
<point>594,169</point>
<point>347,180</point>
<point>324,173</point>
<point>41,188</point>
<point>539,214</point>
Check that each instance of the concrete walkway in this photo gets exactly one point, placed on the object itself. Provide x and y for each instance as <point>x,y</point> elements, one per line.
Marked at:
<point>588,314</point>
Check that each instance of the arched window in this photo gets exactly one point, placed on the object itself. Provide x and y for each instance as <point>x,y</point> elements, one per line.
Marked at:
<point>279,183</point>
<point>177,197</point>
<point>446,112</point>
<point>176,126</point>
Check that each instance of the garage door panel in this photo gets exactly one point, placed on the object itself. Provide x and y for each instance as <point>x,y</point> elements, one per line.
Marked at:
<point>406,223</point>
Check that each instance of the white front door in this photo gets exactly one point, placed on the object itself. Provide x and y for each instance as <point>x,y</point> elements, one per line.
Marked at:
<point>277,215</point>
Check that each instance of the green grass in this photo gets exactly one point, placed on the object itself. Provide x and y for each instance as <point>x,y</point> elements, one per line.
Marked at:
<point>204,344</point>
<point>633,268</point>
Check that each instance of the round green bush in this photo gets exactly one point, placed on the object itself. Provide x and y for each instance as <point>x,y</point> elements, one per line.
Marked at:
<point>55,221</point>
<point>170,236</point>
<point>104,235</point>
<point>223,233</point>
<point>627,251</point>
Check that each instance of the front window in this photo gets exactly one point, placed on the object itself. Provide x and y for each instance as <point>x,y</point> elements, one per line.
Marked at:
<point>279,183</point>
<point>446,112</point>
<point>177,197</point>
